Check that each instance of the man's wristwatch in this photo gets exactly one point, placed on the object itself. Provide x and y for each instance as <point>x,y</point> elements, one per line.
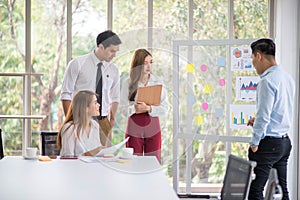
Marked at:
<point>253,145</point>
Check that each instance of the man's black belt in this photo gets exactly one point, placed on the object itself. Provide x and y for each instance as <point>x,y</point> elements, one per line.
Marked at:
<point>273,137</point>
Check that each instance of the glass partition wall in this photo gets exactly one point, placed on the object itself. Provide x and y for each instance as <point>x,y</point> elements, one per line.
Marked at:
<point>214,86</point>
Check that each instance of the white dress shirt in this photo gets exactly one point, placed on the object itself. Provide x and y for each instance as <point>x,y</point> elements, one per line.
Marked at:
<point>72,146</point>
<point>81,75</point>
<point>127,107</point>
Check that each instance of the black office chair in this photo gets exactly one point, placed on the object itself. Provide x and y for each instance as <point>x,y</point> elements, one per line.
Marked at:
<point>238,177</point>
<point>48,144</point>
<point>1,146</point>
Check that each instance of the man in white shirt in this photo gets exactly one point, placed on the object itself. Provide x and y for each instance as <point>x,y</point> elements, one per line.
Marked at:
<point>82,74</point>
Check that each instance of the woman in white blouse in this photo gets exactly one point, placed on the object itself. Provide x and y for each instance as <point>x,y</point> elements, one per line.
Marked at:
<point>143,125</point>
<point>79,134</point>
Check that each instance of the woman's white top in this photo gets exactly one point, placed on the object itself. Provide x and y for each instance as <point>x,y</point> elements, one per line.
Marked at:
<point>127,107</point>
<point>74,146</point>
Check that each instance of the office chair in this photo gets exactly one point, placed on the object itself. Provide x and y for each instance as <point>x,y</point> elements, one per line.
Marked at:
<point>238,177</point>
<point>273,189</point>
<point>236,184</point>
<point>48,144</point>
<point>1,146</point>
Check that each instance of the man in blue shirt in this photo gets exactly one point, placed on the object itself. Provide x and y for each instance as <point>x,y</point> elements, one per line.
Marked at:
<point>270,144</point>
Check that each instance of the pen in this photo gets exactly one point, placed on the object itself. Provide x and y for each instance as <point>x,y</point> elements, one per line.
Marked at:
<point>68,158</point>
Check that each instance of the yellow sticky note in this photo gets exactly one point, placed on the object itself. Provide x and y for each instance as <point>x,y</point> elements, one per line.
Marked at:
<point>44,158</point>
<point>190,68</point>
<point>198,120</point>
<point>121,161</point>
<point>208,88</point>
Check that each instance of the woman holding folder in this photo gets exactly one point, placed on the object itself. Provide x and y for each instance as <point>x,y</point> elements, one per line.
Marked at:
<point>143,124</point>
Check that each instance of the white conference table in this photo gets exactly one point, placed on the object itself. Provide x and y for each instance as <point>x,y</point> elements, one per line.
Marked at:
<point>138,178</point>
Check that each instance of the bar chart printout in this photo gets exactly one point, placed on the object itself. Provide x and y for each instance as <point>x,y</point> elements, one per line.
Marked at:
<point>240,115</point>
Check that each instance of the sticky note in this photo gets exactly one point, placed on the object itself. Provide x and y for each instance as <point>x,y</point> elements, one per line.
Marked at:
<point>221,61</point>
<point>190,68</point>
<point>204,106</point>
<point>108,156</point>
<point>198,120</point>
<point>190,99</point>
<point>44,158</point>
<point>208,88</point>
<point>218,112</point>
<point>222,82</point>
<point>121,161</point>
<point>203,67</point>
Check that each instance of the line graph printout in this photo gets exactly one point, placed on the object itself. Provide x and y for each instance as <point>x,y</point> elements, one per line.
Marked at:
<point>246,88</point>
<point>240,115</point>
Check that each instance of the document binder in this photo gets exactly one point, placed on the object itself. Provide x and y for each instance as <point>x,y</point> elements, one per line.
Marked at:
<point>150,95</point>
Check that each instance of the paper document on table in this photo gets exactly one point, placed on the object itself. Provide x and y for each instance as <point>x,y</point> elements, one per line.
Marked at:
<point>150,95</point>
<point>93,159</point>
<point>112,149</point>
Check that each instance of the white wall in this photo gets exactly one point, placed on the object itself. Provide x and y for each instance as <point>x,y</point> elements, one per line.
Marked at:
<point>287,41</point>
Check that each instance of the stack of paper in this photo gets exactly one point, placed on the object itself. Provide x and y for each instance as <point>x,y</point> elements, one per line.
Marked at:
<point>92,159</point>
<point>112,149</point>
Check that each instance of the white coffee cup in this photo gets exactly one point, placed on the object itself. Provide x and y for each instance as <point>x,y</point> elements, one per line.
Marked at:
<point>31,152</point>
<point>127,152</point>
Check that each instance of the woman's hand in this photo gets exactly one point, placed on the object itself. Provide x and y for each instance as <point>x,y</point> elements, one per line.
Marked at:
<point>141,107</point>
<point>112,122</point>
<point>94,151</point>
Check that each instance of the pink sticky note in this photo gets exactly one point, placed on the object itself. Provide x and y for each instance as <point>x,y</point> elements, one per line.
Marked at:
<point>203,67</point>
<point>205,106</point>
<point>222,82</point>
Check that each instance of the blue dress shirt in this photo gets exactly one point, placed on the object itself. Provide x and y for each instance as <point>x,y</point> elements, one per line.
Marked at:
<point>274,104</point>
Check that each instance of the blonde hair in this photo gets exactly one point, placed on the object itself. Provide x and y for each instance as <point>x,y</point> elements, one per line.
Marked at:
<point>77,114</point>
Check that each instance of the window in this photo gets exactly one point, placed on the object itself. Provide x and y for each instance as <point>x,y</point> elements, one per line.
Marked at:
<point>12,53</point>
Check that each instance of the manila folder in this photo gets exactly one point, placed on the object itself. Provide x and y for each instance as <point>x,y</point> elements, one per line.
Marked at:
<point>150,95</point>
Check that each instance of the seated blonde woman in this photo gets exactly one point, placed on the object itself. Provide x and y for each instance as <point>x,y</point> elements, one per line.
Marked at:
<point>79,134</point>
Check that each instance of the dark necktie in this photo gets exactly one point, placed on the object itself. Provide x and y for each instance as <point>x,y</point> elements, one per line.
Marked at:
<point>99,85</point>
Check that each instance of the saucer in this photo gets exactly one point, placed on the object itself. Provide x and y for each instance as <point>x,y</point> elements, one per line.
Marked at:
<point>30,158</point>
